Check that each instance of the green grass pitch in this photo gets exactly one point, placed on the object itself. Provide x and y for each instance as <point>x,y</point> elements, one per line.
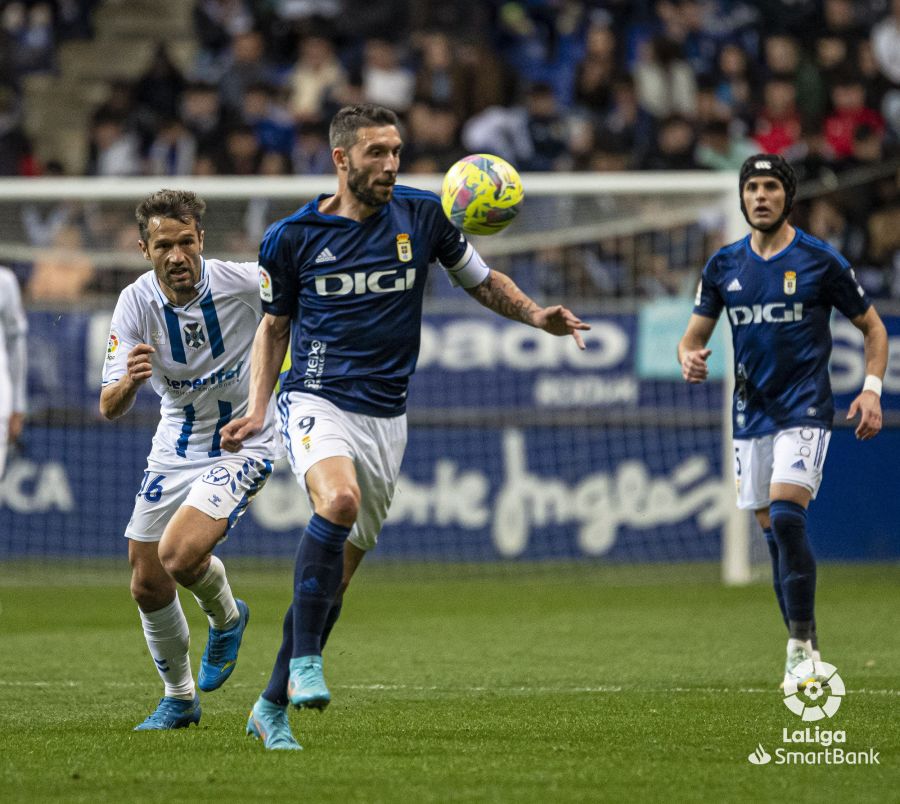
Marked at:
<point>614,684</point>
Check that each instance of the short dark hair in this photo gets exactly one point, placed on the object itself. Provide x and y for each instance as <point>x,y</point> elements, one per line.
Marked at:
<point>347,121</point>
<point>182,205</point>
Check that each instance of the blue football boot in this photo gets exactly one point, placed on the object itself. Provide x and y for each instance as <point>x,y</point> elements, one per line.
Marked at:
<point>306,685</point>
<point>268,722</point>
<point>172,713</point>
<point>220,655</point>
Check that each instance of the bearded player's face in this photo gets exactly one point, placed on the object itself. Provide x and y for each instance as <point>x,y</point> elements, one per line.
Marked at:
<point>373,163</point>
<point>174,248</point>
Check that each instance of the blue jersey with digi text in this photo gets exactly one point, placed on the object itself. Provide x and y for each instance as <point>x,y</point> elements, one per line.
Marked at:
<point>779,310</point>
<point>354,291</point>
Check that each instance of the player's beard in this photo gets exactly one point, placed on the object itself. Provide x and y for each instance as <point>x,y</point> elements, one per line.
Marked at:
<point>358,184</point>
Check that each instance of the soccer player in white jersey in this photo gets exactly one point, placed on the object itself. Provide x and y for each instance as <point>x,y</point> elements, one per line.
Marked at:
<point>342,280</point>
<point>778,286</point>
<point>187,327</point>
<point>13,328</point>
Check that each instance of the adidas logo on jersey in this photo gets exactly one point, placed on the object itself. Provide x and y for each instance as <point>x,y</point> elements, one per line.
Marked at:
<point>799,465</point>
<point>325,255</point>
<point>734,285</point>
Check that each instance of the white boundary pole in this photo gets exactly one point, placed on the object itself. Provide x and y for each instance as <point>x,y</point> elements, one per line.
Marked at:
<point>736,565</point>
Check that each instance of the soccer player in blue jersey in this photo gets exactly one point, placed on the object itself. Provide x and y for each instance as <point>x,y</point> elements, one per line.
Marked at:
<point>778,286</point>
<point>342,280</point>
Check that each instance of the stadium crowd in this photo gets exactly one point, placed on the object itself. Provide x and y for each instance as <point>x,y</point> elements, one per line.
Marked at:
<point>548,84</point>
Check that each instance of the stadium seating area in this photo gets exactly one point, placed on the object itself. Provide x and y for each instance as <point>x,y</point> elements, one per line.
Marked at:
<point>246,87</point>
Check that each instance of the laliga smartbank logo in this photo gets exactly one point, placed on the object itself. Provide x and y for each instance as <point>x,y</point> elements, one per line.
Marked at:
<point>821,690</point>
<point>813,692</point>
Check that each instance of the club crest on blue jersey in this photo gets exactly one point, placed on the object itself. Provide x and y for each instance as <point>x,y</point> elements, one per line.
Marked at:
<point>790,283</point>
<point>404,248</point>
<point>193,335</point>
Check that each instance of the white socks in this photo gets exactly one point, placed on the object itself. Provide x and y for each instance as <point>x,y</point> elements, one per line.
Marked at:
<point>213,594</point>
<point>168,639</point>
<point>793,644</point>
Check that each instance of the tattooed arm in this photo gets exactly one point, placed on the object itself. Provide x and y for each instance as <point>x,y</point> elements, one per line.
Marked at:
<point>499,293</point>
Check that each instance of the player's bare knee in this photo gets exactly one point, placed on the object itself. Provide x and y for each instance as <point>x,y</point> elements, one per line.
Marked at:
<point>151,592</point>
<point>341,505</point>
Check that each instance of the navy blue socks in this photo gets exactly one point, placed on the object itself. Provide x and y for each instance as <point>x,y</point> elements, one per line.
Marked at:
<point>318,571</point>
<point>276,692</point>
<point>776,573</point>
<point>319,566</point>
<point>796,567</point>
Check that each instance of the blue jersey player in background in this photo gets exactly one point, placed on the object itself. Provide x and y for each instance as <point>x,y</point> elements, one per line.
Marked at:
<point>778,287</point>
<point>342,280</point>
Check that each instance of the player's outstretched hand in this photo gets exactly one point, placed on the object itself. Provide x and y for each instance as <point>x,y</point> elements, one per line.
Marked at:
<point>559,320</point>
<point>869,405</point>
<point>694,367</point>
<point>236,432</point>
<point>140,368</point>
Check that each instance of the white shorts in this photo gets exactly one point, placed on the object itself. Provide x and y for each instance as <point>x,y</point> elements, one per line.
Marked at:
<point>793,456</point>
<point>314,429</point>
<point>220,488</point>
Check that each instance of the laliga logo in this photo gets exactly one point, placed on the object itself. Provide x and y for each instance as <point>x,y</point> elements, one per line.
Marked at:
<point>804,703</point>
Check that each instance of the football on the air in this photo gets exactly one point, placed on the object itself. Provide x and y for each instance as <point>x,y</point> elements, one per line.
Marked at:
<point>481,194</point>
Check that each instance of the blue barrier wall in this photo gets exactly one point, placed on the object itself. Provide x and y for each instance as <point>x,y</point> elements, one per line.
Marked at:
<point>490,490</point>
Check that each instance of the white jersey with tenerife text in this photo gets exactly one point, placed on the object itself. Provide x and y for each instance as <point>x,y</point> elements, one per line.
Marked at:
<point>13,329</point>
<point>201,366</point>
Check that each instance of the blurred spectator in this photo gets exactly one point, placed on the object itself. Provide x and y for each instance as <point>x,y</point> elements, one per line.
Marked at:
<point>269,119</point>
<point>831,54</point>
<point>433,133</point>
<point>216,23</point>
<point>247,64</point>
<point>173,151</point>
<point>385,80</point>
<point>886,44</point>
<point>665,82</point>
<point>112,149</point>
<point>317,72</point>
<point>201,111</point>
<point>674,146</point>
<point>879,89</point>
<point>547,129</point>
<point>718,149</point>
<point>628,128</point>
<point>596,73</point>
<point>784,59</point>
<point>737,87</point>
<point>157,90</point>
<point>62,271</point>
<point>778,128</point>
<point>840,20</point>
<point>441,78</point>
<point>499,130</point>
<point>312,154</point>
<point>489,81</point>
<point>15,147</point>
<point>42,222</point>
<point>242,154</point>
<point>828,222</point>
<point>30,28</point>
<point>206,164</point>
<point>541,42</point>
<point>848,98</point>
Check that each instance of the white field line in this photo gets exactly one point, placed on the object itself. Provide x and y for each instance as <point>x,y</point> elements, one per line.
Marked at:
<point>602,689</point>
